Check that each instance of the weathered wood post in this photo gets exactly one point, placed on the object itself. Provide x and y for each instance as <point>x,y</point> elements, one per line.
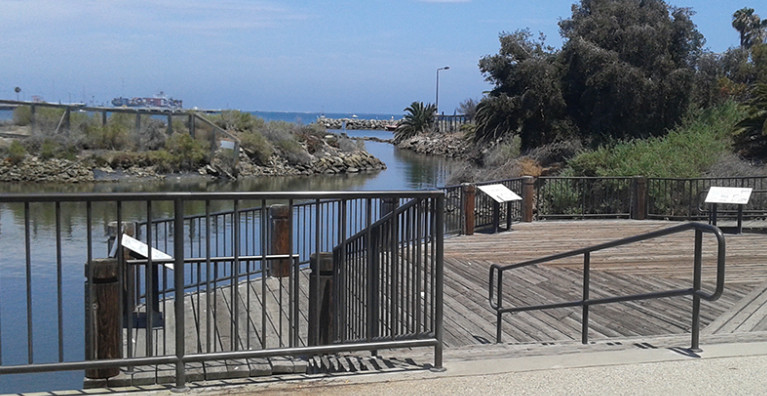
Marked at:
<point>639,188</point>
<point>388,205</point>
<point>104,118</point>
<point>102,316</point>
<point>170,123</point>
<point>469,192</point>
<point>130,278</point>
<point>528,197</point>
<point>191,125</point>
<point>322,310</point>
<point>33,121</point>
<point>67,118</point>
<point>279,217</point>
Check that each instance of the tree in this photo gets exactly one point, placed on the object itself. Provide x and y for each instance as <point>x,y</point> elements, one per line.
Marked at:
<point>527,98</point>
<point>628,67</point>
<point>419,118</point>
<point>751,28</point>
<point>750,135</point>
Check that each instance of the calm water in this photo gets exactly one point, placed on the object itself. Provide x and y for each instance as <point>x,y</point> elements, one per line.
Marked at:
<point>406,171</point>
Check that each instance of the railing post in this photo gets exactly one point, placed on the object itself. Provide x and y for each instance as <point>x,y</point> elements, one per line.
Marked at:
<point>528,195</point>
<point>469,193</point>
<point>322,313</point>
<point>696,284</point>
<point>279,216</point>
<point>102,324</point>
<point>178,284</point>
<point>586,288</point>
<point>639,198</point>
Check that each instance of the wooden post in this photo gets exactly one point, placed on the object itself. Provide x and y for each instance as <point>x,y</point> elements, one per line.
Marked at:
<point>322,311</point>
<point>469,192</point>
<point>102,317</point>
<point>191,125</point>
<point>279,216</point>
<point>528,196</point>
<point>138,121</point>
<point>67,118</point>
<point>104,118</point>
<point>33,121</point>
<point>130,278</point>
<point>170,124</point>
<point>639,210</point>
<point>388,205</point>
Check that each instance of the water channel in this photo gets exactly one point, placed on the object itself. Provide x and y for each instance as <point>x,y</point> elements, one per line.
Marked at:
<point>405,171</point>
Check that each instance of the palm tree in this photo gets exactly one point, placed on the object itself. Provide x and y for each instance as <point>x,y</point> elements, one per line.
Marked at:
<point>751,133</point>
<point>751,28</point>
<point>419,118</point>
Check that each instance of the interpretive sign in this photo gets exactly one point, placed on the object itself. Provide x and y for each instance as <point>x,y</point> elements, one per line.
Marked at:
<point>500,193</point>
<point>142,249</point>
<point>728,195</point>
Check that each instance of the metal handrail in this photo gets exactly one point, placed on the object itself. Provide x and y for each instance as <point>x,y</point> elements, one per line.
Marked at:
<point>585,302</point>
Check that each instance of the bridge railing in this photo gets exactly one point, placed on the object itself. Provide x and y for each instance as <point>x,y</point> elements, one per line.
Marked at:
<point>503,302</point>
<point>238,282</point>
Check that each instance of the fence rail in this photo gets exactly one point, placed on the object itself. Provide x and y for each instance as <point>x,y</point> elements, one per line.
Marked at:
<point>242,280</point>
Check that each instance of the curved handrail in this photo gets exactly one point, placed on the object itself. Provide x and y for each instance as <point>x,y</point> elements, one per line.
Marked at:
<point>495,287</point>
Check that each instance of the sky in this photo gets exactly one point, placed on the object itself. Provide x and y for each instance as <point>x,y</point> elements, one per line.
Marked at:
<point>358,56</point>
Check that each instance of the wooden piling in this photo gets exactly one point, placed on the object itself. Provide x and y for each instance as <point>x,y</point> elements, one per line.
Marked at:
<point>469,192</point>
<point>279,218</point>
<point>102,316</point>
<point>528,197</point>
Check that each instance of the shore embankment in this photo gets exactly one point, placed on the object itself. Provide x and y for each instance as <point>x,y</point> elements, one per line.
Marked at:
<point>356,123</point>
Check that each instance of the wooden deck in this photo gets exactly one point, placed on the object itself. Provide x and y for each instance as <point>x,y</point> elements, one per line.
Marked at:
<point>655,265</point>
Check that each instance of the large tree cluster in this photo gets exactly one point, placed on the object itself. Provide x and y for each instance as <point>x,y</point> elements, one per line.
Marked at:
<point>627,69</point>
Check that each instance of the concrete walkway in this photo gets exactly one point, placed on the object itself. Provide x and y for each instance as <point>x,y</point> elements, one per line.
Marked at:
<point>728,368</point>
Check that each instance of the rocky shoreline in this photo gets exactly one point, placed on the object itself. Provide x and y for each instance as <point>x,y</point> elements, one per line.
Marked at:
<point>451,145</point>
<point>356,123</point>
<point>33,169</point>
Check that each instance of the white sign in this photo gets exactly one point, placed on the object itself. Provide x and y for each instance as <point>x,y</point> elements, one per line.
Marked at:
<point>142,249</point>
<point>728,195</point>
<point>500,193</point>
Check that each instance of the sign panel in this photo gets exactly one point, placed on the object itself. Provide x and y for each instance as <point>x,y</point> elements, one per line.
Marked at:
<point>728,195</point>
<point>142,249</point>
<point>500,193</point>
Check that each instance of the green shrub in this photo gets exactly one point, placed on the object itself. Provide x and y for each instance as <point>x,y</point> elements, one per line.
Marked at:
<point>293,152</point>
<point>112,136</point>
<point>22,115</point>
<point>162,160</point>
<point>16,152</point>
<point>687,151</point>
<point>188,153</point>
<point>257,147</point>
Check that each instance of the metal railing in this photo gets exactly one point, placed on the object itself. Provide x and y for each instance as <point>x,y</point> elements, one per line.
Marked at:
<point>683,199</point>
<point>486,210</point>
<point>232,291</point>
<point>584,197</point>
<point>388,279</point>
<point>496,296</point>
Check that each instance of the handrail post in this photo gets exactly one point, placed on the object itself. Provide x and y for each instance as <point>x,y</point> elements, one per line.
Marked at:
<point>498,313</point>
<point>469,192</point>
<point>586,287</point>
<point>528,195</point>
<point>439,281</point>
<point>178,284</point>
<point>696,284</point>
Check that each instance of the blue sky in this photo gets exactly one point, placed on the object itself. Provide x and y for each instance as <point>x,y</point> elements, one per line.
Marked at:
<point>309,56</point>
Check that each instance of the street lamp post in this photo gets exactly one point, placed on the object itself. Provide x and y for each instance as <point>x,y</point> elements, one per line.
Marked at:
<point>437,101</point>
